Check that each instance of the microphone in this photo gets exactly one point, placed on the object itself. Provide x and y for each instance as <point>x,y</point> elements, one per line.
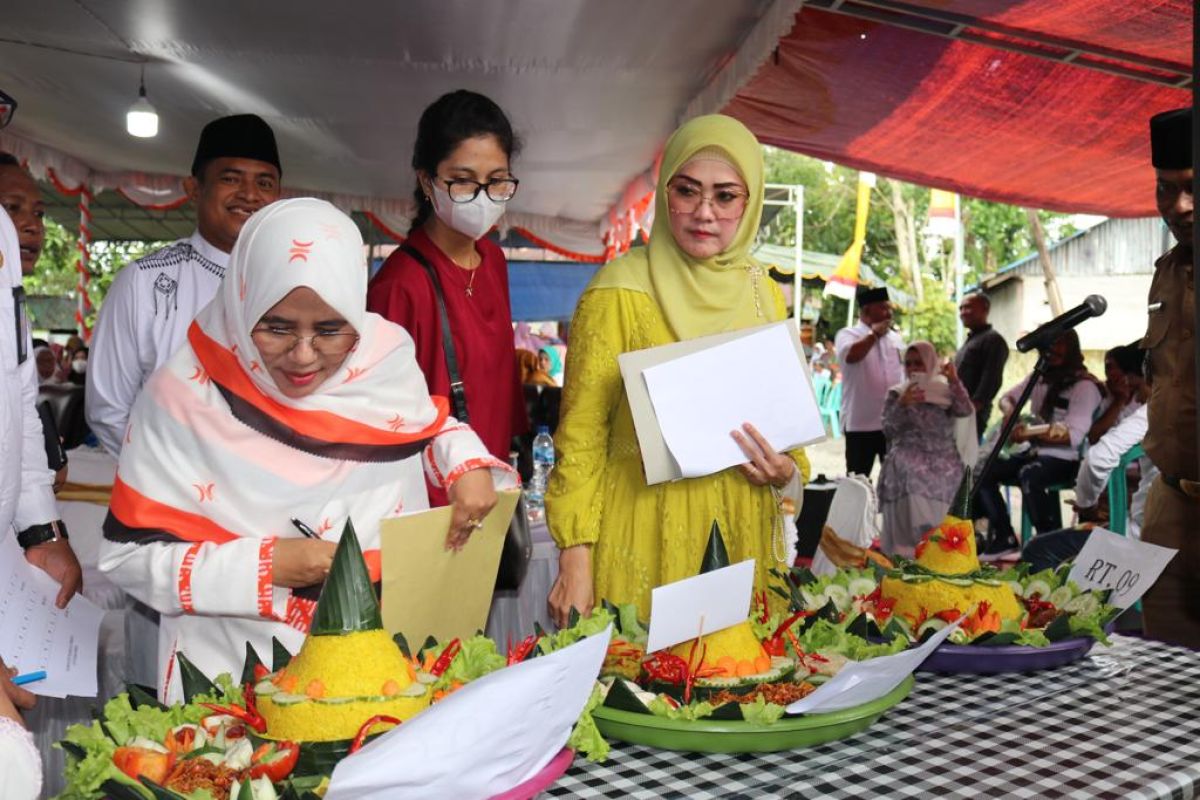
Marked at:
<point>1044,336</point>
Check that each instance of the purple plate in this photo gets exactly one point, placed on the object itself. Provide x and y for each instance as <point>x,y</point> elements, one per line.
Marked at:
<point>982,660</point>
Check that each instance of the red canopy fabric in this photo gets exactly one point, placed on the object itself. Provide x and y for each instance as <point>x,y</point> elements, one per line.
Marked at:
<point>976,119</point>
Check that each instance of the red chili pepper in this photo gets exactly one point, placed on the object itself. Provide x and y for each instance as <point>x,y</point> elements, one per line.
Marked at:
<point>365,730</point>
<point>766,613</point>
<point>774,644</point>
<point>443,661</point>
<point>519,653</point>
<point>274,760</point>
<point>666,667</point>
<point>260,672</point>
<point>248,715</point>
<point>948,614</point>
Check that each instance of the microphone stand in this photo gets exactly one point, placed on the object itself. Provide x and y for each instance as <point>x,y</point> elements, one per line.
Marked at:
<point>1039,370</point>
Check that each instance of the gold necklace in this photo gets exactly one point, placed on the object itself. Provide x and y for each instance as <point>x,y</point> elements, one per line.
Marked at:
<point>471,281</point>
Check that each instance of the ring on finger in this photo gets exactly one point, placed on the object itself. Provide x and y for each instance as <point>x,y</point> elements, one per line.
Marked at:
<point>475,524</point>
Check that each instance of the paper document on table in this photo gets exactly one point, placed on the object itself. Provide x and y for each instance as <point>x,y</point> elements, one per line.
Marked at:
<point>430,591</point>
<point>706,603</point>
<point>863,681</point>
<point>699,399</point>
<point>483,740</point>
<point>35,635</point>
<point>1127,566</point>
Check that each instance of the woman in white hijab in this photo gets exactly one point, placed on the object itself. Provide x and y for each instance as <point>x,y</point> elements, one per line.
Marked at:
<point>922,469</point>
<point>290,401</point>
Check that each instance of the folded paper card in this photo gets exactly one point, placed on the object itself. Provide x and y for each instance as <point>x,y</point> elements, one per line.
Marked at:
<point>863,681</point>
<point>1126,566</point>
<point>707,603</point>
<point>489,736</point>
<point>764,382</point>
<point>430,591</point>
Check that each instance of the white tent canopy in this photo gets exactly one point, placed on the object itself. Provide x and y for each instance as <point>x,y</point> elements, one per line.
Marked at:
<point>592,86</point>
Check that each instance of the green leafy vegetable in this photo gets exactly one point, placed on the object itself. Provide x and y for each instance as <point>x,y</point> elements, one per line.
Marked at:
<point>585,737</point>
<point>760,712</point>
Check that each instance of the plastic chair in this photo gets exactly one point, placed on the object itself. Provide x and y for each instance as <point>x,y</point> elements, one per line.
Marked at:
<point>821,386</point>
<point>1118,491</point>
<point>831,410</point>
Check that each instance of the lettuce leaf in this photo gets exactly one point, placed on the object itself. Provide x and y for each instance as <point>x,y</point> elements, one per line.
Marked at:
<point>593,623</point>
<point>585,737</point>
<point>632,629</point>
<point>477,657</point>
<point>760,712</point>
<point>827,637</point>
<point>85,775</point>
<point>690,712</point>
<point>1090,625</point>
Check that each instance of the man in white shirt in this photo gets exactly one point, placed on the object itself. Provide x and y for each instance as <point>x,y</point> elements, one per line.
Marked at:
<point>26,483</point>
<point>146,314</point>
<point>871,355</point>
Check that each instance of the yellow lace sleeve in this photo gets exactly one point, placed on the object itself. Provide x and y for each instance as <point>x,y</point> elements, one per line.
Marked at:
<point>592,393</point>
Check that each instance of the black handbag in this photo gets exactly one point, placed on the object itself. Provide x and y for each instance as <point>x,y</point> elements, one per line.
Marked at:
<point>518,544</point>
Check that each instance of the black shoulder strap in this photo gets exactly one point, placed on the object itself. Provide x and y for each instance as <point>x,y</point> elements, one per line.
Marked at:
<point>458,393</point>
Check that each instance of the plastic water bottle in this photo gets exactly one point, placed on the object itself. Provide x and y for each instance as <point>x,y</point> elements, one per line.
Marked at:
<point>543,464</point>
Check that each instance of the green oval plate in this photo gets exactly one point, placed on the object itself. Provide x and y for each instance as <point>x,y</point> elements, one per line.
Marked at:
<point>719,736</point>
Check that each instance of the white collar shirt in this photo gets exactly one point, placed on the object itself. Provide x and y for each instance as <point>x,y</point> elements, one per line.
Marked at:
<point>865,384</point>
<point>143,320</point>
<point>26,482</point>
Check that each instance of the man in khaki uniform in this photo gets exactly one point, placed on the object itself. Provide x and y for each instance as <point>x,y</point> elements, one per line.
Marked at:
<point>1172,607</point>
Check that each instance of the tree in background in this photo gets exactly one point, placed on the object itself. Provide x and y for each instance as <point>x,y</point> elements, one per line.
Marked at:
<point>995,234</point>
<point>55,273</point>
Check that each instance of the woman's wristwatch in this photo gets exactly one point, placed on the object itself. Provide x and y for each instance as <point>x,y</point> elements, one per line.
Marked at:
<point>34,535</point>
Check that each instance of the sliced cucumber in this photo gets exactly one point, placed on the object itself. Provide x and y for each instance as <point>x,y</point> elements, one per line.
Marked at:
<point>861,586</point>
<point>334,701</point>
<point>840,596</point>
<point>989,582</point>
<point>414,689</point>
<point>1017,588</point>
<point>959,636</point>
<point>781,667</point>
<point>265,687</point>
<point>962,583</point>
<point>1086,604</point>
<point>933,624</point>
<point>425,677</point>
<point>913,577</point>
<point>1039,587</point>
<point>1061,596</point>
<point>811,601</point>
<point>285,699</point>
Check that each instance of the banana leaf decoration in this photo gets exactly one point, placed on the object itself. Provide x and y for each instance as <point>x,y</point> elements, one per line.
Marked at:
<point>280,657</point>
<point>252,661</point>
<point>348,602</point>
<point>960,506</point>
<point>193,680</point>
<point>715,554</point>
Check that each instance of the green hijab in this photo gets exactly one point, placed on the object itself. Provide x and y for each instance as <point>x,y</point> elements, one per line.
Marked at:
<point>711,295</point>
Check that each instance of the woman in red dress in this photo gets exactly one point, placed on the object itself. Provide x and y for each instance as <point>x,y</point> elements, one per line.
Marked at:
<point>462,159</point>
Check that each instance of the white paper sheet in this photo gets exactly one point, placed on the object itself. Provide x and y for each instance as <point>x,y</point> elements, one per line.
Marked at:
<point>1127,566</point>
<point>709,602</point>
<point>34,635</point>
<point>488,737</point>
<point>863,681</point>
<point>699,399</point>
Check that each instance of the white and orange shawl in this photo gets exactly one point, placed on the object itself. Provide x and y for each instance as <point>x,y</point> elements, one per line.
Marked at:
<point>217,461</point>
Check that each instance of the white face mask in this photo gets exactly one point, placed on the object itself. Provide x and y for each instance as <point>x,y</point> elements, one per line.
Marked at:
<point>473,219</point>
<point>79,366</point>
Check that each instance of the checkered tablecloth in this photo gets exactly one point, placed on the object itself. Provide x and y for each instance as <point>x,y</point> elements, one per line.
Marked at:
<point>1122,723</point>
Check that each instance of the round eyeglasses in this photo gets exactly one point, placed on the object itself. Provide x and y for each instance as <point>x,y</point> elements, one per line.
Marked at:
<point>685,198</point>
<point>276,341</point>
<point>464,190</point>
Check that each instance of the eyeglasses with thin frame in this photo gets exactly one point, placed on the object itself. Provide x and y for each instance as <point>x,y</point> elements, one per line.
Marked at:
<point>726,203</point>
<point>277,341</point>
<point>8,107</point>
<point>464,190</point>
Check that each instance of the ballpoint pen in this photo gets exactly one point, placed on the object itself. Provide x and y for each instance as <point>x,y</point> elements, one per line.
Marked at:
<point>307,531</point>
<point>29,677</point>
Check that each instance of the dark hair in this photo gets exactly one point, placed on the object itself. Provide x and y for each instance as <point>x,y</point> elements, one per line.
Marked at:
<point>982,298</point>
<point>448,122</point>
<point>8,160</point>
<point>1060,379</point>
